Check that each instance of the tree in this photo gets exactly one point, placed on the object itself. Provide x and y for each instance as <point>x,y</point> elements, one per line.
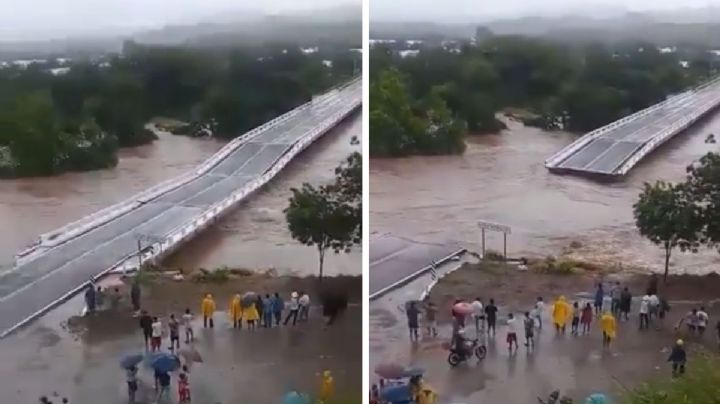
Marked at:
<point>329,216</point>
<point>316,218</point>
<point>666,215</point>
<point>703,183</point>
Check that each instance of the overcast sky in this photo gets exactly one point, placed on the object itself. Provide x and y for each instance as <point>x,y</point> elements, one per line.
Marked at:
<point>44,19</point>
<point>467,10</point>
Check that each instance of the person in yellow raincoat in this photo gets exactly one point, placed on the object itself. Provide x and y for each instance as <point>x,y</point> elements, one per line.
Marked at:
<point>609,328</point>
<point>421,392</point>
<point>235,311</point>
<point>561,313</point>
<point>327,387</point>
<point>208,308</point>
<point>251,315</point>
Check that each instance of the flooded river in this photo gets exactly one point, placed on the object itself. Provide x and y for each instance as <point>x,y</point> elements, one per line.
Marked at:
<point>501,178</point>
<point>250,237</point>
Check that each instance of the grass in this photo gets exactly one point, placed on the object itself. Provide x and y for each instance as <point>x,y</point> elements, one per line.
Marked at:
<point>699,385</point>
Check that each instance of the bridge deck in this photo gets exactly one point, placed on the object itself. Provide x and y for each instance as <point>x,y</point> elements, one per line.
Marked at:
<point>30,287</point>
<point>606,153</point>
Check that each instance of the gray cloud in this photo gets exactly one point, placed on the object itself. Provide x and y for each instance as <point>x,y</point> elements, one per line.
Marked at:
<point>44,19</point>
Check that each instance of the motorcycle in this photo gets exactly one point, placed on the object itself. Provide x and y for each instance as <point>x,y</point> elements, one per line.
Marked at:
<point>473,346</point>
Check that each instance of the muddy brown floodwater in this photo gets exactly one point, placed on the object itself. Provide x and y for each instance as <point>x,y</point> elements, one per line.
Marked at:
<point>501,178</point>
<point>248,237</point>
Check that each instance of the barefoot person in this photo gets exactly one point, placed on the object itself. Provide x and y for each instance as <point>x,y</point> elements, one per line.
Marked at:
<point>678,358</point>
<point>529,324</point>
<point>512,333</point>
<point>586,318</point>
<point>412,318</point>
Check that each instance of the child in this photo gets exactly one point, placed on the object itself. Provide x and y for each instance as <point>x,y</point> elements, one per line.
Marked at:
<point>529,331</point>
<point>512,334</point>
<point>702,321</point>
<point>132,383</point>
<point>575,319</point>
<point>586,318</point>
<point>184,388</point>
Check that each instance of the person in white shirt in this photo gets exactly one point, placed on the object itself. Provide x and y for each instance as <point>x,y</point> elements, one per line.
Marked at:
<point>156,335</point>
<point>293,305</point>
<point>187,325</point>
<point>512,333</point>
<point>478,315</point>
<point>702,320</point>
<point>645,312</point>
<point>538,311</point>
<point>654,306</point>
<point>304,303</point>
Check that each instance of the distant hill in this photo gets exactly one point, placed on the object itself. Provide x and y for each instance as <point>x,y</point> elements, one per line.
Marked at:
<point>342,24</point>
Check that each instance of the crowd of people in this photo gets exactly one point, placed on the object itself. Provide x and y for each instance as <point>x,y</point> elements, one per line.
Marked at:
<point>607,306</point>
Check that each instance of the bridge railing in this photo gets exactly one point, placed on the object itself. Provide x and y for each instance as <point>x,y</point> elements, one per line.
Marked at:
<point>188,230</point>
<point>91,221</point>
<point>667,133</point>
<point>572,148</point>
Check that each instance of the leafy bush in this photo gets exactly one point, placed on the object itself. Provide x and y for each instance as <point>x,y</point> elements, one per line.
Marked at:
<point>219,275</point>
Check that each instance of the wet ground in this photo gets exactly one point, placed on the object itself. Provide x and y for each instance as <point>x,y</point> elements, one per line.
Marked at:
<point>239,366</point>
<point>501,178</point>
<point>576,365</point>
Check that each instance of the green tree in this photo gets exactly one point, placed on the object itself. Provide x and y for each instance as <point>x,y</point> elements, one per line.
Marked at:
<point>666,215</point>
<point>703,183</point>
<point>329,217</point>
<point>316,218</point>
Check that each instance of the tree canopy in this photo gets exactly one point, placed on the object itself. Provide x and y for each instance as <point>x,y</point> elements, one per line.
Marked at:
<point>76,120</point>
<point>329,217</point>
<point>576,88</point>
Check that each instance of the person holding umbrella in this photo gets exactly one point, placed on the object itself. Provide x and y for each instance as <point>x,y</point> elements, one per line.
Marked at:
<point>129,363</point>
<point>208,308</point>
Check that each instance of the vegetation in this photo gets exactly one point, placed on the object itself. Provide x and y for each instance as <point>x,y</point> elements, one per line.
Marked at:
<point>424,104</point>
<point>685,215</point>
<point>699,385</point>
<point>329,216</point>
<point>77,120</point>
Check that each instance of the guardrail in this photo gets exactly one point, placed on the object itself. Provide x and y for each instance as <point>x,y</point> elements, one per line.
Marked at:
<point>557,158</point>
<point>71,230</point>
<point>188,230</point>
<point>667,134</point>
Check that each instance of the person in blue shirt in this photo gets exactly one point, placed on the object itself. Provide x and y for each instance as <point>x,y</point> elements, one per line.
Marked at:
<point>599,297</point>
<point>278,306</point>
<point>267,311</point>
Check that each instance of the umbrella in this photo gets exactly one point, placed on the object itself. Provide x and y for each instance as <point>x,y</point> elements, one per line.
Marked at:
<point>390,370</point>
<point>463,308</point>
<point>131,360</point>
<point>597,398</point>
<point>249,298</point>
<point>295,398</point>
<point>163,362</point>
<point>397,394</point>
<point>191,355</point>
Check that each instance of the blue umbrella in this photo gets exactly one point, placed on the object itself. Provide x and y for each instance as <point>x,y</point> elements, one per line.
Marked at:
<point>597,398</point>
<point>295,398</point>
<point>163,362</point>
<point>131,360</point>
<point>397,394</point>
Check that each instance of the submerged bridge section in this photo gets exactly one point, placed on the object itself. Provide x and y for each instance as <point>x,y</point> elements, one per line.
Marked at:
<point>153,223</point>
<point>614,149</point>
